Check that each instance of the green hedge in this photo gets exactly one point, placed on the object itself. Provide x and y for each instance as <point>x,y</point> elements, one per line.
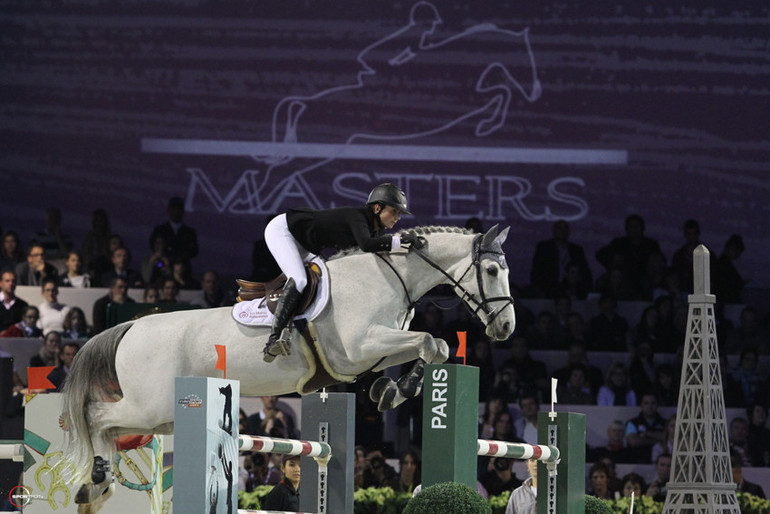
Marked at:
<point>386,501</point>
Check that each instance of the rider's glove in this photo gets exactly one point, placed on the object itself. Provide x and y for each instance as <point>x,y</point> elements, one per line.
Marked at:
<point>412,239</point>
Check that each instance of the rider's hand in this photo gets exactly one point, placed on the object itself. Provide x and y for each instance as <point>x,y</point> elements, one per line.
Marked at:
<point>412,239</point>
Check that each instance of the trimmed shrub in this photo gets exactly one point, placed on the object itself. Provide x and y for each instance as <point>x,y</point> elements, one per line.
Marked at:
<point>596,506</point>
<point>448,498</point>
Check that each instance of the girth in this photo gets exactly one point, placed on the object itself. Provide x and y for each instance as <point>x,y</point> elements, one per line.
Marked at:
<point>271,291</point>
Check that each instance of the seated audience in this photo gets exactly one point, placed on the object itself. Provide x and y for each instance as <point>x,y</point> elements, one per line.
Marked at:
<point>121,258</point>
<point>59,374</point>
<point>525,427</point>
<point>608,328</point>
<point>377,472</point>
<point>48,355</point>
<point>758,440</point>
<point>577,355</point>
<point>74,277</point>
<point>75,326</point>
<point>35,268</point>
<point>27,327</point>
<point>726,280</point>
<point>616,445</point>
<point>646,429</point>
<point>599,479</point>
<point>10,252</point>
<point>499,478</point>
<point>52,312</point>
<point>211,294</point>
<point>575,391</point>
<point>408,473</point>
<point>658,487</point>
<point>741,484</point>
<point>617,388</point>
<point>633,483</point>
<point>118,294</point>
<point>667,444</point>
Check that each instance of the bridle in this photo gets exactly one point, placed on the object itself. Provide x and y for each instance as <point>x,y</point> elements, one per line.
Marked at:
<point>477,255</point>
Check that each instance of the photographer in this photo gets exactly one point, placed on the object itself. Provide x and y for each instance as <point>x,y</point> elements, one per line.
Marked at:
<point>376,471</point>
<point>499,477</point>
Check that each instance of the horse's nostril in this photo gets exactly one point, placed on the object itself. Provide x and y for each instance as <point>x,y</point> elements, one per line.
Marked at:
<point>507,326</point>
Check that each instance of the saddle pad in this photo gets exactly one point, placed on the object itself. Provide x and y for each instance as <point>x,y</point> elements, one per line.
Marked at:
<point>255,312</point>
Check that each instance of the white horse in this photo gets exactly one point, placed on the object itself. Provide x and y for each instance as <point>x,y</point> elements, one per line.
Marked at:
<point>122,380</point>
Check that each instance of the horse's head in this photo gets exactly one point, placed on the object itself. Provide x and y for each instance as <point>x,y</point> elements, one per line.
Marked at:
<point>490,292</point>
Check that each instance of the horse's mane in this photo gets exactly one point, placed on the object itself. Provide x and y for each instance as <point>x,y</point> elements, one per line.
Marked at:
<point>422,231</point>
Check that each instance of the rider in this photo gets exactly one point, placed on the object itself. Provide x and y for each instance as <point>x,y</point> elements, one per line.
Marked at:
<point>292,236</point>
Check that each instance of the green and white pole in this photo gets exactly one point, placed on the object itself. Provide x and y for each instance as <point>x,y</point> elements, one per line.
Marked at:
<point>451,445</point>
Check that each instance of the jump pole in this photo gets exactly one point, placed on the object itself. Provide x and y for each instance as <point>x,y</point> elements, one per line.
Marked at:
<point>450,443</point>
<point>207,443</point>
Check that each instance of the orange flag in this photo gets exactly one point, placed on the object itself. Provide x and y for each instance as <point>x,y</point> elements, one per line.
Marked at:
<point>461,348</point>
<point>37,377</point>
<point>221,358</point>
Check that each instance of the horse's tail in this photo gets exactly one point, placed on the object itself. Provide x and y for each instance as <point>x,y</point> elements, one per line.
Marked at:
<point>92,378</point>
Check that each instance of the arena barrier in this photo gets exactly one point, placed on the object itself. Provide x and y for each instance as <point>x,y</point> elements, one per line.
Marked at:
<point>207,443</point>
<point>450,443</point>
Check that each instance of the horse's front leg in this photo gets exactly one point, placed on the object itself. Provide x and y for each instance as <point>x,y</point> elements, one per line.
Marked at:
<point>389,394</point>
<point>399,346</point>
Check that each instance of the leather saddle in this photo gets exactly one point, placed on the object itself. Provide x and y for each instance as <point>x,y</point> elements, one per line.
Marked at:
<point>271,291</point>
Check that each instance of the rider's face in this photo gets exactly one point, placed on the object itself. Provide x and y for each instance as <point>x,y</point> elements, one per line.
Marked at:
<point>389,216</point>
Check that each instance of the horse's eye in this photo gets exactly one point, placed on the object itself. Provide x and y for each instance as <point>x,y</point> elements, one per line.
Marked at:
<point>492,270</point>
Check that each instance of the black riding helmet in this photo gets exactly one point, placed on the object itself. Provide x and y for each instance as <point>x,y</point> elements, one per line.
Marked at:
<point>388,194</point>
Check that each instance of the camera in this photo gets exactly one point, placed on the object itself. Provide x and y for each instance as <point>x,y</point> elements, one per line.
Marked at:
<point>377,462</point>
<point>501,464</point>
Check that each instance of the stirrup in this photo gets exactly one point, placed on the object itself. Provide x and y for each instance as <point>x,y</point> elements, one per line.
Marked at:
<point>281,346</point>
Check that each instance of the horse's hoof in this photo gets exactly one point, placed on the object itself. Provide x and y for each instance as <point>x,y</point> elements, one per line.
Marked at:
<point>387,398</point>
<point>410,384</point>
<point>378,387</point>
<point>90,492</point>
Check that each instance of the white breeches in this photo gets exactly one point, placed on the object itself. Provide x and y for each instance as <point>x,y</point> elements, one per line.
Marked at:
<point>288,253</point>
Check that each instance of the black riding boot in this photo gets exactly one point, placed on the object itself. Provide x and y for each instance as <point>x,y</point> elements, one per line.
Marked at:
<point>283,313</point>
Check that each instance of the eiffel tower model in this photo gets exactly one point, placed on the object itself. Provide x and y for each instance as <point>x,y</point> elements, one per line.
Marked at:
<point>701,476</point>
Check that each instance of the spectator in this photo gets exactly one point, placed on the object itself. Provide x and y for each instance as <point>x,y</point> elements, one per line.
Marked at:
<point>741,484</point>
<point>502,426</point>
<point>666,385</point>
<point>758,440</point>
<point>615,281</point>
<point>649,329</point>
<point>59,374</point>
<point>474,225</point>
<point>157,266</point>
<point>54,242</point>
<point>608,328</point>
<point>526,426</point>
<point>494,405</point>
<point>654,282</point>
<point>614,483</point>
<point>523,498</point>
<point>150,295</point>
<point>52,313</point>
<point>11,307</point>
<point>739,439</point>
<point>499,477</point>
<point>121,258</point>
<point>577,331</point>
<point>481,357</point>
<point>642,368</point>
<point>617,388</point>
<point>27,327</point>
<point>75,326</point>
<point>35,269</point>
<point>681,261</point>
<point>285,495</point>
<point>574,285</point>
<point>667,444</point>
<point>377,472</point>
<point>616,446</point>
<point>408,473</point>
<point>747,376</point>
<point>182,274</point>
<point>529,372</point>
<point>118,295</point>
<point>727,281</point>
<point>96,245</point>
<point>269,409</point>
<point>634,248</point>
<point>576,390</point>
<point>48,355</point>
<point>659,485</point>
<point>576,354</point>
<point>211,293</point>
<point>599,478</point>
<point>545,333</point>
<point>551,260</point>
<point>646,429</point>
<point>181,240</point>
<point>10,253</point>
<point>74,276</point>
<point>748,334</point>
<point>633,483</point>
<point>169,291</point>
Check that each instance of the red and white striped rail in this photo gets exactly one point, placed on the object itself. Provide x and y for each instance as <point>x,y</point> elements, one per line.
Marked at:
<point>284,446</point>
<point>517,450</point>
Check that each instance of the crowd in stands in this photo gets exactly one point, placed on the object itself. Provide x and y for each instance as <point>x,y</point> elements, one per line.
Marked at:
<point>634,269</point>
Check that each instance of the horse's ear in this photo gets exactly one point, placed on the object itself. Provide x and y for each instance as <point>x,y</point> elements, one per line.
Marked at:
<point>502,236</point>
<point>489,238</point>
